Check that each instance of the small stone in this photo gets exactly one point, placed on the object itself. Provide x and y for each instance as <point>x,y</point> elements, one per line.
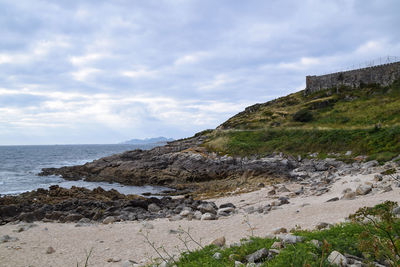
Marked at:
<point>257,256</point>
<point>217,256</point>
<point>272,192</point>
<point>50,250</point>
<point>291,239</point>
<point>316,243</point>
<point>109,219</point>
<point>387,189</point>
<point>227,205</point>
<point>322,225</point>
<point>349,195</point>
<point>238,264</point>
<point>277,245</point>
<point>185,213</point>
<point>283,189</point>
<point>348,153</point>
<point>113,260</point>
<point>284,200</point>
<point>153,208</point>
<point>207,208</point>
<point>279,230</point>
<point>333,199</point>
<point>378,177</point>
<point>219,242</point>
<point>363,189</point>
<point>175,218</point>
<point>337,258</point>
<point>197,215</point>
<point>7,238</point>
<point>208,216</point>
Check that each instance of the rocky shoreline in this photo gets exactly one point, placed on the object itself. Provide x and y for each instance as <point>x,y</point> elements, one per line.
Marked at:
<point>90,206</point>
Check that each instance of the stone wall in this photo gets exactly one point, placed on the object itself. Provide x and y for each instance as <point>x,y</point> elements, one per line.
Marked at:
<point>382,74</point>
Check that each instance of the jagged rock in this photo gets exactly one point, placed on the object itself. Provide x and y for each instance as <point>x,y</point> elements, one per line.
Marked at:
<point>337,258</point>
<point>257,256</point>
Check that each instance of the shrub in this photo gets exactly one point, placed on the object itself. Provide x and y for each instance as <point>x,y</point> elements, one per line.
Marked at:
<point>303,115</point>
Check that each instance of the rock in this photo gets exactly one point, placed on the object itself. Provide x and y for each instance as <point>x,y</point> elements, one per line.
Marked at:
<point>24,226</point>
<point>7,238</point>
<point>349,195</point>
<point>290,239</point>
<point>208,216</point>
<point>73,218</point>
<point>396,211</point>
<point>279,230</point>
<point>277,245</point>
<point>113,260</point>
<point>197,215</point>
<point>153,208</point>
<point>363,189</point>
<point>337,258</point>
<point>378,177</point>
<point>273,252</point>
<point>323,225</point>
<point>333,199</point>
<point>219,242</point>
<point>387,189</point>
<point>227,205</point>
<point>207,208</point>
<point>316,243</point>
<point>283,189</point>
<point>348,153</point>
<point>185,213</point>
<point>284,200</point>
<point>50,250</point>
<point>175,218</point>
<point>238,264</point>
<point>217,256</point>
<point>271,192</point>
<point>225,211</point>
<point>109,219</point>
<point>257,256</point>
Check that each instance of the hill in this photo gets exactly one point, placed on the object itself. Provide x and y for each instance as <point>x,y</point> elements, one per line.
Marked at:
<point>364,120</point>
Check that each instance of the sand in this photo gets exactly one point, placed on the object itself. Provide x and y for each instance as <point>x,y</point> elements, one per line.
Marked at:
<point>125,241</point>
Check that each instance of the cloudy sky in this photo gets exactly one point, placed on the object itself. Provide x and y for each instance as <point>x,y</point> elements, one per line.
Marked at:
<point>106,71</point>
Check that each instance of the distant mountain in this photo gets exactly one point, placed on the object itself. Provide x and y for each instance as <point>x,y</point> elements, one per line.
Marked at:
<point>156,140</point>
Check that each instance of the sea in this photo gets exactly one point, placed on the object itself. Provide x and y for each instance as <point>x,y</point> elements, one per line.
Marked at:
<point>19,166</point>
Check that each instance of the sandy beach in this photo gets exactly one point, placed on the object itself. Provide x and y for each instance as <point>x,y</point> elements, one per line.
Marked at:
<point>116,244</point>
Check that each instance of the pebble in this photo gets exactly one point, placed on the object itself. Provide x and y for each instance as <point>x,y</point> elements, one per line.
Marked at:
<point>337,258</point>
<point>50,250</point>
<point>219,242</point>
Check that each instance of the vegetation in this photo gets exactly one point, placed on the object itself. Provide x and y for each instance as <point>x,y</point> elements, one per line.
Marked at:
<point>365,120</point>
<point>373,235</point>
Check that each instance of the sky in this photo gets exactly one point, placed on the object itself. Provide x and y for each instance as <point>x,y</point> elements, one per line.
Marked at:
<point>96,72</point>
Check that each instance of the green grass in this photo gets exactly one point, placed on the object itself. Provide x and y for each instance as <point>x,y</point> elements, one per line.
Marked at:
<point>379,143</point>
<point>364,120</point>
<point>347,238</point>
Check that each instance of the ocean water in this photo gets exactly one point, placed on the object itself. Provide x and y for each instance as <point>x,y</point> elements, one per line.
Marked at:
<point>19,166</point>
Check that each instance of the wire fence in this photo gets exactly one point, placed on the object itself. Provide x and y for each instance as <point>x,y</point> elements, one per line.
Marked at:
<point>367,64</point>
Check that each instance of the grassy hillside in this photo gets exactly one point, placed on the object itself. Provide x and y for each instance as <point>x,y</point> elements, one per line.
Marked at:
<point>365,120</point>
